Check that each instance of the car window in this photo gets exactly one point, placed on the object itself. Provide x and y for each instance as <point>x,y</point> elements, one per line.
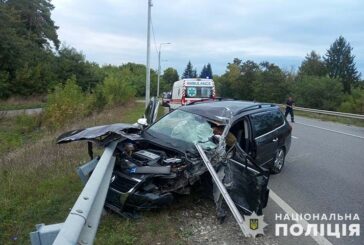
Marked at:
<point>277,118</point>
<point>265,122</point>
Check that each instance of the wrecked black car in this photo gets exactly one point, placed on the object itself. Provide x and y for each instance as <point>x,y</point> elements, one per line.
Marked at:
<point>155,160</point>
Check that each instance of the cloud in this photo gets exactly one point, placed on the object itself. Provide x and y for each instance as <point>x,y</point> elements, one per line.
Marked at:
<point>114,31</point>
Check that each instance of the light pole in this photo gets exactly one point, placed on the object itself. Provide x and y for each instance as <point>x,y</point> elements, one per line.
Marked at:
<point>159,65</point>
<point>147,82</point>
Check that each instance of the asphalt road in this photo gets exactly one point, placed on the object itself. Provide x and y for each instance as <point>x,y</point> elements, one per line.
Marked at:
<point>324,174</point>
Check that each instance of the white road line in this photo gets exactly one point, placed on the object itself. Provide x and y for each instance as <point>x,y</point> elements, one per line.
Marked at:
<point>321,240</point>
<point>294,137</point>
<point>339,132</point>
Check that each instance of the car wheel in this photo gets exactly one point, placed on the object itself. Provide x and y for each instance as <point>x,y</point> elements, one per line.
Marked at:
<point>278,162</point>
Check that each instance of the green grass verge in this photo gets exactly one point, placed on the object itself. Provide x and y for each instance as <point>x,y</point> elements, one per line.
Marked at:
<point>17,131</point>
<point>343,120</point>
<point>39,184</point>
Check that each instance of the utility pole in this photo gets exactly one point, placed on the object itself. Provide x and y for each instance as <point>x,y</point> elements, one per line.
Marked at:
<point>159,65</point>
<point>147,82</point>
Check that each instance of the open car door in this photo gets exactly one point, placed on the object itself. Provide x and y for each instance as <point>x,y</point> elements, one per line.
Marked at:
<point>151,112</point>
<point>246,182</point>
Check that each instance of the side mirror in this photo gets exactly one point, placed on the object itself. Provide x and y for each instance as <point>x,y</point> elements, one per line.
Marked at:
<point>142,122</point>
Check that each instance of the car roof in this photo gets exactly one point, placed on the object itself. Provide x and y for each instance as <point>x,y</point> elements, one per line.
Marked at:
<point>226,108</point>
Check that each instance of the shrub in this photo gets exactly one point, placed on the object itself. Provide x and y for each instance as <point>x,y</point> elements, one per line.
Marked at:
<point>354,103</point>
<point>97,100</point>
<point>26,124</point>
<point>318,92</point>
<point>66,103</point>
<point>117,89</point>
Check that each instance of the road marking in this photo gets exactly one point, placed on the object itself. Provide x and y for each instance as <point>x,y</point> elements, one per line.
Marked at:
<point>339,132</point>
<point>321,240</point>
<point>294,137</point>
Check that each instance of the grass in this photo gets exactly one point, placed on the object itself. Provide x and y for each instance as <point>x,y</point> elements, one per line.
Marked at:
<point>343,120</point>
<point>38,184</point>
<point>17,131</point>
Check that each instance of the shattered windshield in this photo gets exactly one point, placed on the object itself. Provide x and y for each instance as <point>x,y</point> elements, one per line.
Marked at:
<point>184,126</point>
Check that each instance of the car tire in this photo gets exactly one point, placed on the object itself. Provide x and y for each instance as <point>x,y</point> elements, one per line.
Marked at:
<point>278,162</point>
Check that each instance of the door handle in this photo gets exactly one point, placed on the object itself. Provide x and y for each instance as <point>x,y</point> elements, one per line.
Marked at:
<point>275,140</point>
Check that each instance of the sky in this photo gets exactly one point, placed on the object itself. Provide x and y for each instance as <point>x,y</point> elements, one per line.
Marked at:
<point>209,31</point>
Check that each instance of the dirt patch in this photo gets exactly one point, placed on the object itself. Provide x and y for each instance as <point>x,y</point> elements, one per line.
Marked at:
<point>200,226</point>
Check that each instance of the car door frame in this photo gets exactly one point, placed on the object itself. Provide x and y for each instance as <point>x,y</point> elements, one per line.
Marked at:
<point>249,182</point>
<point>151,111</point>
<point>265,145</point>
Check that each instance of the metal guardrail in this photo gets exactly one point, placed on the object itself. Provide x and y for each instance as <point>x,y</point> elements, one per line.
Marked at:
<point>330,113</point>
<point>82,222</point>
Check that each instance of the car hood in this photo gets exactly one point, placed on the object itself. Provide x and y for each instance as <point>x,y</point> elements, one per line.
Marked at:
<point>93,133</point>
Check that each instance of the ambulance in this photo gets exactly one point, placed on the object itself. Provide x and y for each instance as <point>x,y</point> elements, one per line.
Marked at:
<point>190,90</point>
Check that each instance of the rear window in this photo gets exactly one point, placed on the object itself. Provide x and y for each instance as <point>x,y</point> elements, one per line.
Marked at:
<point>265,122</point>
<point>198,92</point>
<point>278,119</point>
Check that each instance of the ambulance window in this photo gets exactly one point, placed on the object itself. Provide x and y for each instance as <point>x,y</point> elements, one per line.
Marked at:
<point>205,92</point>
<point>198,92</point>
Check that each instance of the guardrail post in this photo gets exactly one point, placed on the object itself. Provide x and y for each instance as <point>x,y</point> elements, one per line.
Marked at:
<point>45,234</point>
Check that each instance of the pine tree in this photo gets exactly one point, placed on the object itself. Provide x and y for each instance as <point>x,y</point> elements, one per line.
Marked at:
<point>36,18</point>
<point>194,73</point>
<point>188,73</point>
<point>208,71</point>
<point>203,72</point>
<point>340,64</point>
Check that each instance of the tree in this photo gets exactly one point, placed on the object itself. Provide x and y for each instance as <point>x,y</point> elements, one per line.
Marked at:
<point>170,75</point>
<point>250,72</point>
<point>70,63</point>
<point>312,65</point>
<point>236,61</point>
<point>36,18</point>
<point>271,84</point>
<point>26,60</point>
<point>208,71</point>
<point>194,73</point>
<point>189,71</point>
<point>230,81</point>
<point>340,64</point>
<point>203,73</point>
<point>238,80</point>
<point>318,92</point>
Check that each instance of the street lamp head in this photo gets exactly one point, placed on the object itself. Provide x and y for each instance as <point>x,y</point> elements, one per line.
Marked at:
<point>160,45</point>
